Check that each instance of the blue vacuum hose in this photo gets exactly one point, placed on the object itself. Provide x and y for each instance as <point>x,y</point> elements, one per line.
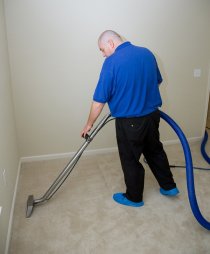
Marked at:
<point>203,144</point>
<point>189,171</point>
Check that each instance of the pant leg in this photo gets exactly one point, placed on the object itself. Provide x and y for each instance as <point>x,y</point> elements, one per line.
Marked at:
<point>156,156</point>
<point>130,138</point>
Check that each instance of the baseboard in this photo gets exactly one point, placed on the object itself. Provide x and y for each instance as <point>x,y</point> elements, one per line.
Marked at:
<point>12,210</point>
<point>177,141</point>
<point>95,151</point>
<point>67,155</point>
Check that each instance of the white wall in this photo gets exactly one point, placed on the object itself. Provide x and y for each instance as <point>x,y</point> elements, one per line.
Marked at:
<point>8,145</point>
<point>55,64</point>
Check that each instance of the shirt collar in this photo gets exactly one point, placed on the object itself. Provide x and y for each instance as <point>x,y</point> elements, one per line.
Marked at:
<point>123,45</point>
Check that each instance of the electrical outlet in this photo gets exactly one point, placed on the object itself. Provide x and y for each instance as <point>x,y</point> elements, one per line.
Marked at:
<point>197,73</point>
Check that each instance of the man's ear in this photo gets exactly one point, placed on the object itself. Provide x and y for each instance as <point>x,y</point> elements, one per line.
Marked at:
<point>111,43</point>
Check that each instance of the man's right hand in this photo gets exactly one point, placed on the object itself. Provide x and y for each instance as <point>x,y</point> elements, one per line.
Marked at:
<point>86,129</point>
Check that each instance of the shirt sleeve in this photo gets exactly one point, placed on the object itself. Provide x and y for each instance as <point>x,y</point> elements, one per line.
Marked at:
<point>104,86</point>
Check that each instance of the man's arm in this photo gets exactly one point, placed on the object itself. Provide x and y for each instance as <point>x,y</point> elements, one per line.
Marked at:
<point>95,111</point>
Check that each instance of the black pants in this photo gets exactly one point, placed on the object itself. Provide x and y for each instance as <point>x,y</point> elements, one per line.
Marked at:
<point>136,136</point>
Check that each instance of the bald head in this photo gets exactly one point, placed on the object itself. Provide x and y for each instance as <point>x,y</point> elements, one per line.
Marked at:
<point>108,41</point>
<point>109,34</point>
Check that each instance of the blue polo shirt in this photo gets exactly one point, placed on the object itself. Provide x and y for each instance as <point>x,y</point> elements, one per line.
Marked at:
<point>129,82</point>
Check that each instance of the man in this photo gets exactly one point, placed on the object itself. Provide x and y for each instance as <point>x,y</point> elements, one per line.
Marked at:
<point>129,83</point>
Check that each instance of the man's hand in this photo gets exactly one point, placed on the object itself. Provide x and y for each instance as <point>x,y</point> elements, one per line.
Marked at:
<point>86,129</point>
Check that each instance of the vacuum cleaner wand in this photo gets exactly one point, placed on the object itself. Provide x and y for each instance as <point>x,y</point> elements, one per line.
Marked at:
<point>31,202</point>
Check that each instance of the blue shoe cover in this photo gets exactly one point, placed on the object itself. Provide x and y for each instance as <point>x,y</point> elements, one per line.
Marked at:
<point>172,192</point>
<point>121,199</point>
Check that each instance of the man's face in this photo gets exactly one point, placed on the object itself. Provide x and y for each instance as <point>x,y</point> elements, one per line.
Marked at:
<point>106,48</point>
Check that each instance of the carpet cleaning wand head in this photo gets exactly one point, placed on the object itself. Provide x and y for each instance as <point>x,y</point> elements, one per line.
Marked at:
<point>30,206</point>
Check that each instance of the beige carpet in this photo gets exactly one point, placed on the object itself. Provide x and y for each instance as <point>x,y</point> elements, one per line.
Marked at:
<point>82,218</point>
